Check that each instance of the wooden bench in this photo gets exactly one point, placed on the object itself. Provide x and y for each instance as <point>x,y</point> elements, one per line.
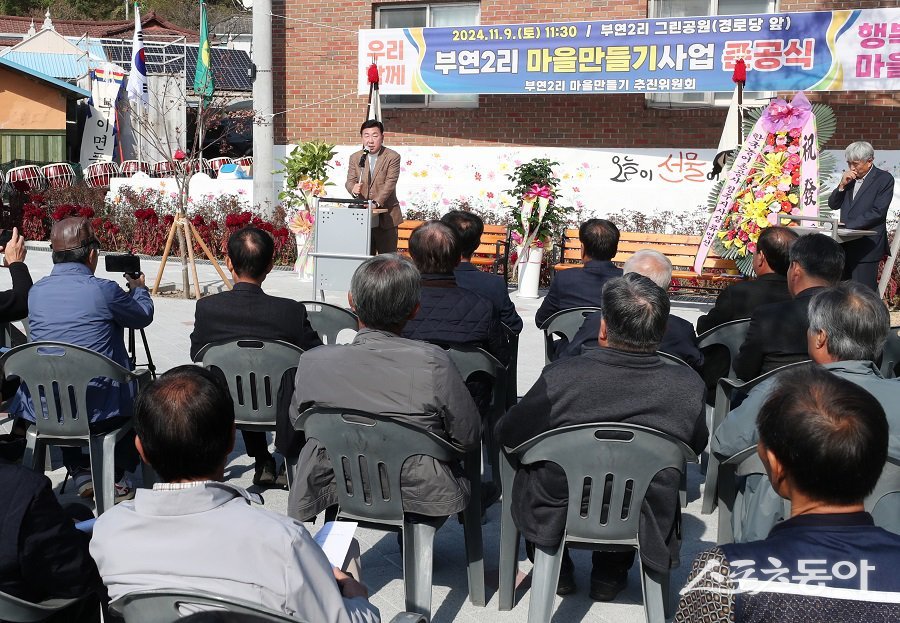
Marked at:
<point>681,250</point>
<point>492,252</point>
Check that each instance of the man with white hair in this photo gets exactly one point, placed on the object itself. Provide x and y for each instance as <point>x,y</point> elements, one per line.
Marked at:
<point>679,339</point>
<point>848,327</point>
<point>863,196</point>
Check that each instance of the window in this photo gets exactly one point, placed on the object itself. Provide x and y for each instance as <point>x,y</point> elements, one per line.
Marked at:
<point>428,15</point>
<point>690,8</point>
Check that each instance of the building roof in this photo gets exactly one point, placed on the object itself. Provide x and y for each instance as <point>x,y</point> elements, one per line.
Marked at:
<point>62,66</point>
<point>70,90</point>
<point>151,23</point>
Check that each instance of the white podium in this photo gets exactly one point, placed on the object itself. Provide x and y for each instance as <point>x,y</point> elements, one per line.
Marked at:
<point>343,241</point>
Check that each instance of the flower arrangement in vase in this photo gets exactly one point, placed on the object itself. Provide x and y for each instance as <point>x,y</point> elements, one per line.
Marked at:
<point>306,176</point>
<point>535,216</point>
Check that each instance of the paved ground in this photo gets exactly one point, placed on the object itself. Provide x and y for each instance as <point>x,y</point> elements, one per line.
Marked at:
<point>168,338</point>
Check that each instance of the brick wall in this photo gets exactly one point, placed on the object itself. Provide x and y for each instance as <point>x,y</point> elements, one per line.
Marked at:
<point>320,64</point>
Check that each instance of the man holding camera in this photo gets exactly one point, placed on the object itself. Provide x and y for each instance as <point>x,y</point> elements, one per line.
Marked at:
<point>71,305</point>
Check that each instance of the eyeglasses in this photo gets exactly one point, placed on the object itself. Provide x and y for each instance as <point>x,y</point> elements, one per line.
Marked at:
<point>856,163</point>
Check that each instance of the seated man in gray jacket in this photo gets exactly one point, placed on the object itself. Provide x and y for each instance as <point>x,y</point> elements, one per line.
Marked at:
<point>192,532</point>
<point>848,326</point>
<point>381,372</point>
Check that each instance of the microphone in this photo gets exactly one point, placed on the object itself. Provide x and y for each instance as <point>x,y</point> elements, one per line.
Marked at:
<point>362,159</point>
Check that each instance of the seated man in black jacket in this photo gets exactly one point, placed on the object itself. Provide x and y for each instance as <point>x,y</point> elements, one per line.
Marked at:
<point>42,555</point>
<point>246,312</point>
<point>468,228</point>
<point>777,332</point>
<point>581,287</point>
<point>770,263</point>
<point>449,314</point>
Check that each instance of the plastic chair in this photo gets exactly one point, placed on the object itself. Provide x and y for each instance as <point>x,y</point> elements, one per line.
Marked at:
<point>15,610</point>
<point>367,452</point>
<point>724,391</point>
<point>563,324</point>
<point>626,458</point>
<point>730,335</point>
<point>164,606</point>
<point>329,320</point>
<point>470,359</point>
<point>512,368</point>
<point>890,357</point>
<point>57,376</point>
<point>253,369</point>
<point>883,503</point>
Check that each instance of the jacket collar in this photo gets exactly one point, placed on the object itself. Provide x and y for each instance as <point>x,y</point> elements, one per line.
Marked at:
<point>71,268</point>
<point>190,501</point>
<point>855,366</point>
<point>772,277</point>
<point>465,266</point>
<point>824,520</point>
<point>809,292</point>
<point>611,356</point>
<point>243,286</point>
<point>438,280</point>
<point>601,266</point>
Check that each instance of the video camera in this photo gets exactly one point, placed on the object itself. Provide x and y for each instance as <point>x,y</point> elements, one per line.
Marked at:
<point>126,263</point>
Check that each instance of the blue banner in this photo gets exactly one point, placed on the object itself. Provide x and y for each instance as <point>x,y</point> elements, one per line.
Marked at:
<point>828,51</point>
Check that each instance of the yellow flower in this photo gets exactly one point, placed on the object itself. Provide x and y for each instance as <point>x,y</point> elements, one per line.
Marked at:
<point>793,198</point>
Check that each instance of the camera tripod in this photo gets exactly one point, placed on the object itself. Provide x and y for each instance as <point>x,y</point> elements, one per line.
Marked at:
<point>132,355</point>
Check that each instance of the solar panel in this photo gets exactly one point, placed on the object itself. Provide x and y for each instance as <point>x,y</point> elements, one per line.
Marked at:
<point>230,67</point>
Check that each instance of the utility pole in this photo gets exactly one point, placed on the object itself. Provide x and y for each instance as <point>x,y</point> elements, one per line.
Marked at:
<point>263,103</point>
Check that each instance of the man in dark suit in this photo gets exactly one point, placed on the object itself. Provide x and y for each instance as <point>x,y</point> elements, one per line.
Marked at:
<point>770,263</point>
<point>583,287</point>
<point>863,196</point>
<point>777,332</point>
<point>373,174</point>
<point>679,338</point>
<point>468,228</point>
<point>246,312</point>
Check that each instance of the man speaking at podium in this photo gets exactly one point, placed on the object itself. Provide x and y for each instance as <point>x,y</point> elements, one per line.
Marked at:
<point>373,175</point>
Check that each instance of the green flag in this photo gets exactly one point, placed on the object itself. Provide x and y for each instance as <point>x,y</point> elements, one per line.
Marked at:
<point>203,77</point>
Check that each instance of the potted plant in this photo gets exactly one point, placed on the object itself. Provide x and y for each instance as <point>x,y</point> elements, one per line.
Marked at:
<point>535,215</point>
<point>306,176</point>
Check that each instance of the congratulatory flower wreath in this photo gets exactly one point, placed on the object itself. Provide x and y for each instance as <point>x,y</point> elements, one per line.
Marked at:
<point>775,174</point>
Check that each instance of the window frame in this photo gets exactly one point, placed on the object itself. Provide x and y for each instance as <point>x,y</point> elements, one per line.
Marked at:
<point>428,101</point>
<point>665,100</point>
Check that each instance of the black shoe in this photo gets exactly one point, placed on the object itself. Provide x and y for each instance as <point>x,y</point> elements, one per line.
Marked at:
<point>281,480</point>
<point>607,589</point>
<point>265,472</point>
<point>566,584</point>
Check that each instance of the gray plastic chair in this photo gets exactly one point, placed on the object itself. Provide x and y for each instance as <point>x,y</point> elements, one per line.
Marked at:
<point>621,455</point>
<point>329,320</point>
<point>678,361</point>
<point>254,369</point>
<point>564,323</point>
<point>470,359</point>
<point>724,391</point>
<point>730,335</point>
<point>512,368</point>
<point>163,606</point>
<point>883,503</point>
<point>57,376</point>
<point>15,610</point>
<point>890,357</point>
<point>367,452</point>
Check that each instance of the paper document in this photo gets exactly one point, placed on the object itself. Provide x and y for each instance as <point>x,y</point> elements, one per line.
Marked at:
<point>334,538</point>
